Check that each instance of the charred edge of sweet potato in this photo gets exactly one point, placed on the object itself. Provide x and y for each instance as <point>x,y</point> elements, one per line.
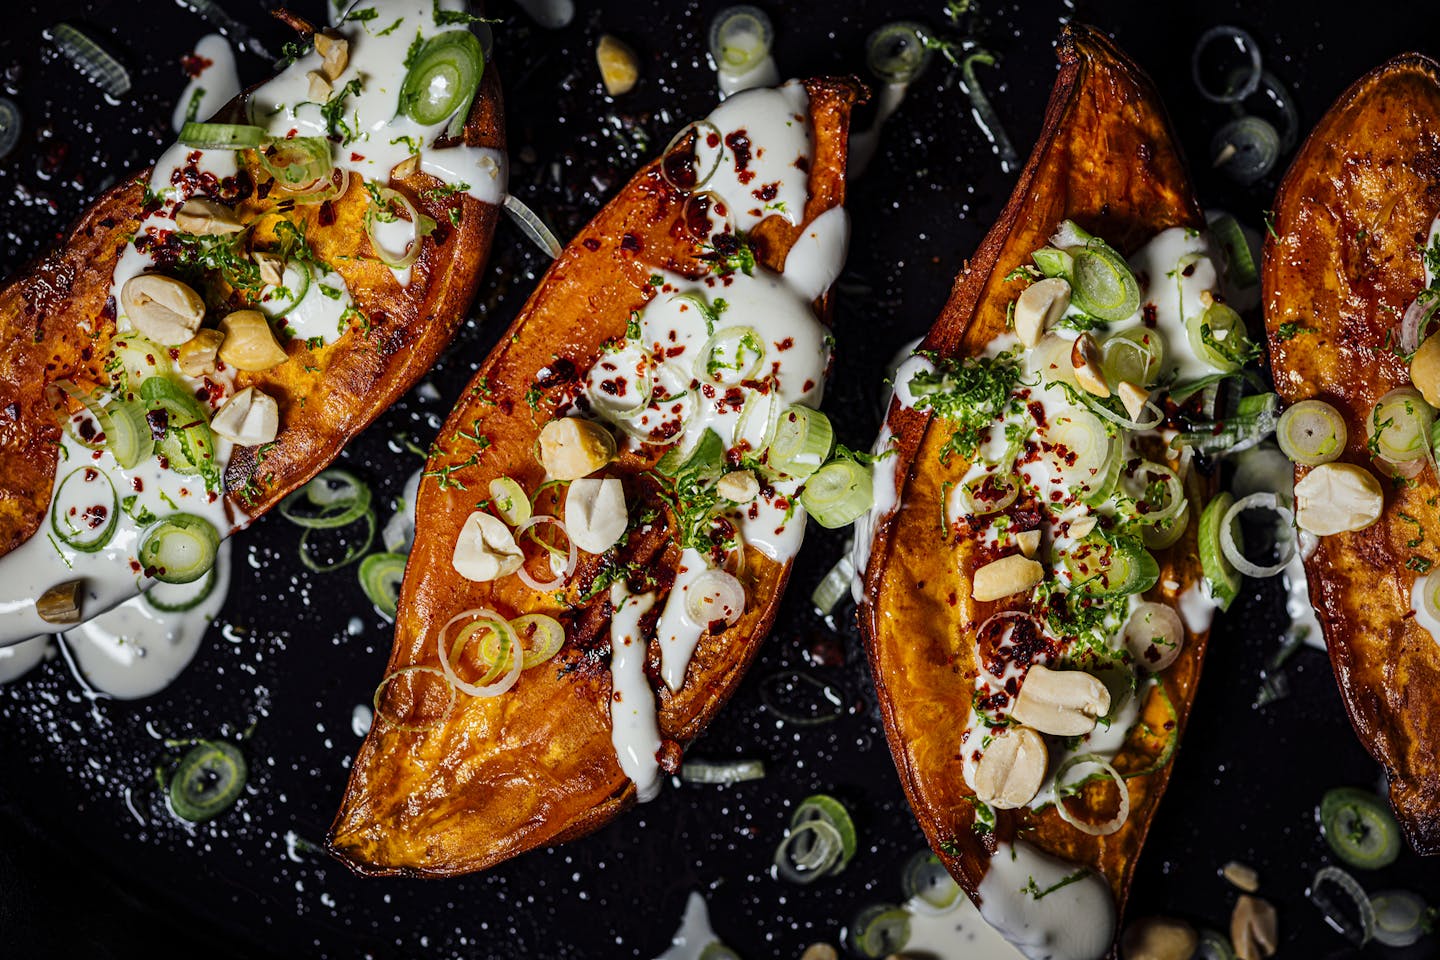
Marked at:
<point>352,837</point>
<point>43,293</point>
<point>1414,776</point>
<point>1086,57</point>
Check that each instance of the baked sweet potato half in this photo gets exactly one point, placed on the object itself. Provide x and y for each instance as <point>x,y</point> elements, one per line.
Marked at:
<point>1345,273</point>
<point>1006,583</point>
<point>687,309</point>
<point>289,249</point>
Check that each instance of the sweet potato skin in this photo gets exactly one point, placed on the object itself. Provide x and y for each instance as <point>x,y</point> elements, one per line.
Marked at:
<point>1343,262</point>
<point>536,765</point>
<point>1106,158</point>
<point>56,322</point>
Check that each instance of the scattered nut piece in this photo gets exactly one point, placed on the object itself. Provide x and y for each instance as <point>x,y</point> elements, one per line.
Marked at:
<point>485,549</point>
<point>1039,307</point>
<point>1085,358</point>
<point>197,355</point>
<point>162,308</point>
<point>738,486</point>
<point>1134,398</point>
<point>1254,928</point>
<point>595,515</point>
<point>406,168</point>
<point>205,217</point>
<point>1425,370</point>
<point>1006,576</point>
<point>249,342</point>
<point>1012,768</point>
<point>272,266</point>
<point>619,67</point>
<point>1029,541</point>
<point>1064,703</point>
<point>320,88</point>
<point>1336,498</point>
<point>1207,298</point>
<point>61,603</point>
<point>1081,527</point>
<point>820,951</point>
<point>249,418</point>
<point>336,53</point>
<point>1159,938</point>
<point>571,448</point>
<point>1241,875</point>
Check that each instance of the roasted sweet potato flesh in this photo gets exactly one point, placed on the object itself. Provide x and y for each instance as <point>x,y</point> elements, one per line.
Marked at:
<point>536,765</point>
<point>1107,160</point>
<point>1342,264</point>
<point>56,323</point>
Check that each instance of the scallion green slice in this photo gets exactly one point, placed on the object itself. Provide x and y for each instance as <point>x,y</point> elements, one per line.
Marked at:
<point>1218,337</point>
<point>1102,283</point>
<point>208,781</point>
<point>1222,577</point>
<point>380,575</point>
<point>180,548</point>
<point>1227,232</point>
<point>160,595</point>
<point>1311,432</point>
<point>926,877</point>
<point>298,164</point>
<point>342,498</point>
<point>1135,355</point>
<point>730,356</point>
<point>1104,569</point>
<point>510,501</point>
<point>803,439</point>
<point>838,493</point>
<point>1399,427</point>
<point>79,515</point>
<point>1054,262</point>
<point>880,930</point>
<point>1360,828</point>
<point>187,445</point>
<point>443,77</point>
<point>222,136</point>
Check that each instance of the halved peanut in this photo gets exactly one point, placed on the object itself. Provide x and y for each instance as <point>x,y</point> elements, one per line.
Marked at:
<point>1064,703</point>
<point>1241,875</point>
<point>1425,370</point>
<point>1159,938</point>
<point>272,266</point>
<point>1080,527</point>
<point>1337,498</point>
<point>1012,768</point>
<point>1039,307</point>
<point>320,88</point>
<point>249,342</point>
<point>1085,359</point>
<point>1006,576</point>
<point>738,486</point>
<point>1254,928</point>
<point>336,54</point>
<point>619,67</point>
<point>162,308</point>
<point>205,217</point>
<point>571,448</point>
<point>1134,398</point>
<point>197,355</point>
<point>61,603</point>
<point>1028,541</point>
<point>249,418</point>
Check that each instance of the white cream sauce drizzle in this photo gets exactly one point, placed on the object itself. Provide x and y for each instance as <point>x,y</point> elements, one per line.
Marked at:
<point>136,650</point>
<point>20,658</point>
<point>774,122</point>
<point>378,63</point>
<point>635,730</point>
<point>763,74</point>
<point>215,83</point>
<point>695,933</point>
<point>956,932</point>
<point>1071,922</point>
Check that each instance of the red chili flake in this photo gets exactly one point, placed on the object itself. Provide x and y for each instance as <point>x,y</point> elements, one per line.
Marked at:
<point>767,193</point>
<point>1037,410</point>
<point>326,216</point>
<point>591,244</point>
<point>91,474</point>
<point>630,243</point>
<point>94,516</point>
<point>739,144</point>
<point>137,484</point>
<point>785,344</point>
<point>356,157</point>
<point>809,385</point>
<point>802,164</point>
<point>194,65</point>
<point>1148,316</point>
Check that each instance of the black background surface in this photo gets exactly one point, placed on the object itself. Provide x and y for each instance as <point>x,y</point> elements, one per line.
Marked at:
<point>92,865</point>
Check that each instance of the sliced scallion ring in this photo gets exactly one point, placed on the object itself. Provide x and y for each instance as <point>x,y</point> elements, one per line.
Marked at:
<point>533,227</point>
<point>1359,827</point>
<point>808,852</point>
<point>724,774</point>
<point>1222,577</point>
<point>208,781</point>
<point>740,38</point>
<point>1245,149</point>
<point>1401,917</point>
<point>925,877</point>
<point>1107,569</point>
<point>1218,337</point>
<point>159,595</point>
<point>541,636</point>
<point>1311,432</point>
<point>1399,427</point>
<point>298,164</point>
<point>1227,232</point>
<point>188,445</point>
<point>507,665</point>
<point>1357,926</point>
<point>417,693</point>
<point>988,492</point>
<point>732,355</point>
<point>380,575</point>
<point>1257,501</point>
<point>838,493</point>
<point>79,517</point>
<point>880,930</point>
<point>222,136</point>
<point>1053,262</point>
<point>443,77</point>
<point>680,163</point>
<point>353,550</point>
<point>93,60</point>
<point>1134,355</point>
<point>803,440</point>
<point>88,427</point>
<point>510,501</point>
<point>835,587</point>
<point>1156,489</point>
<point>823,807</point>
<point>1064,789</point>
<point>389,206</point>
<point>1102,283</point>
<point>897,53</point>
<point>180,548</point>
<point>342,498</point>
<point>133,359</point>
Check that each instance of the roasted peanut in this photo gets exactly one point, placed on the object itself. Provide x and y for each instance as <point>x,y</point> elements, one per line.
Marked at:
<point>1064,703</point>
<point>1336,498</point>
<point>1029,542</point>
<point>1159,938</point>
<point>619,67</point>
<point>738,486</point>
<point>162,308</point>
<point>206,217</point>
<point>1241,876</point>
<point>249,418</point>
<point>1037,309</point>
<point>1134,398</point>
<point>1012,768</point>
<point>249,342</point>
<point>61,603</point>
<point>336,54</point>
<point>1006,576</point>
<point>485,549</point>
<point>272,267</point>
<point>197,355</point>
<point>571,448</point>
<point>1085,360</point>
<point>1254,928</point>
